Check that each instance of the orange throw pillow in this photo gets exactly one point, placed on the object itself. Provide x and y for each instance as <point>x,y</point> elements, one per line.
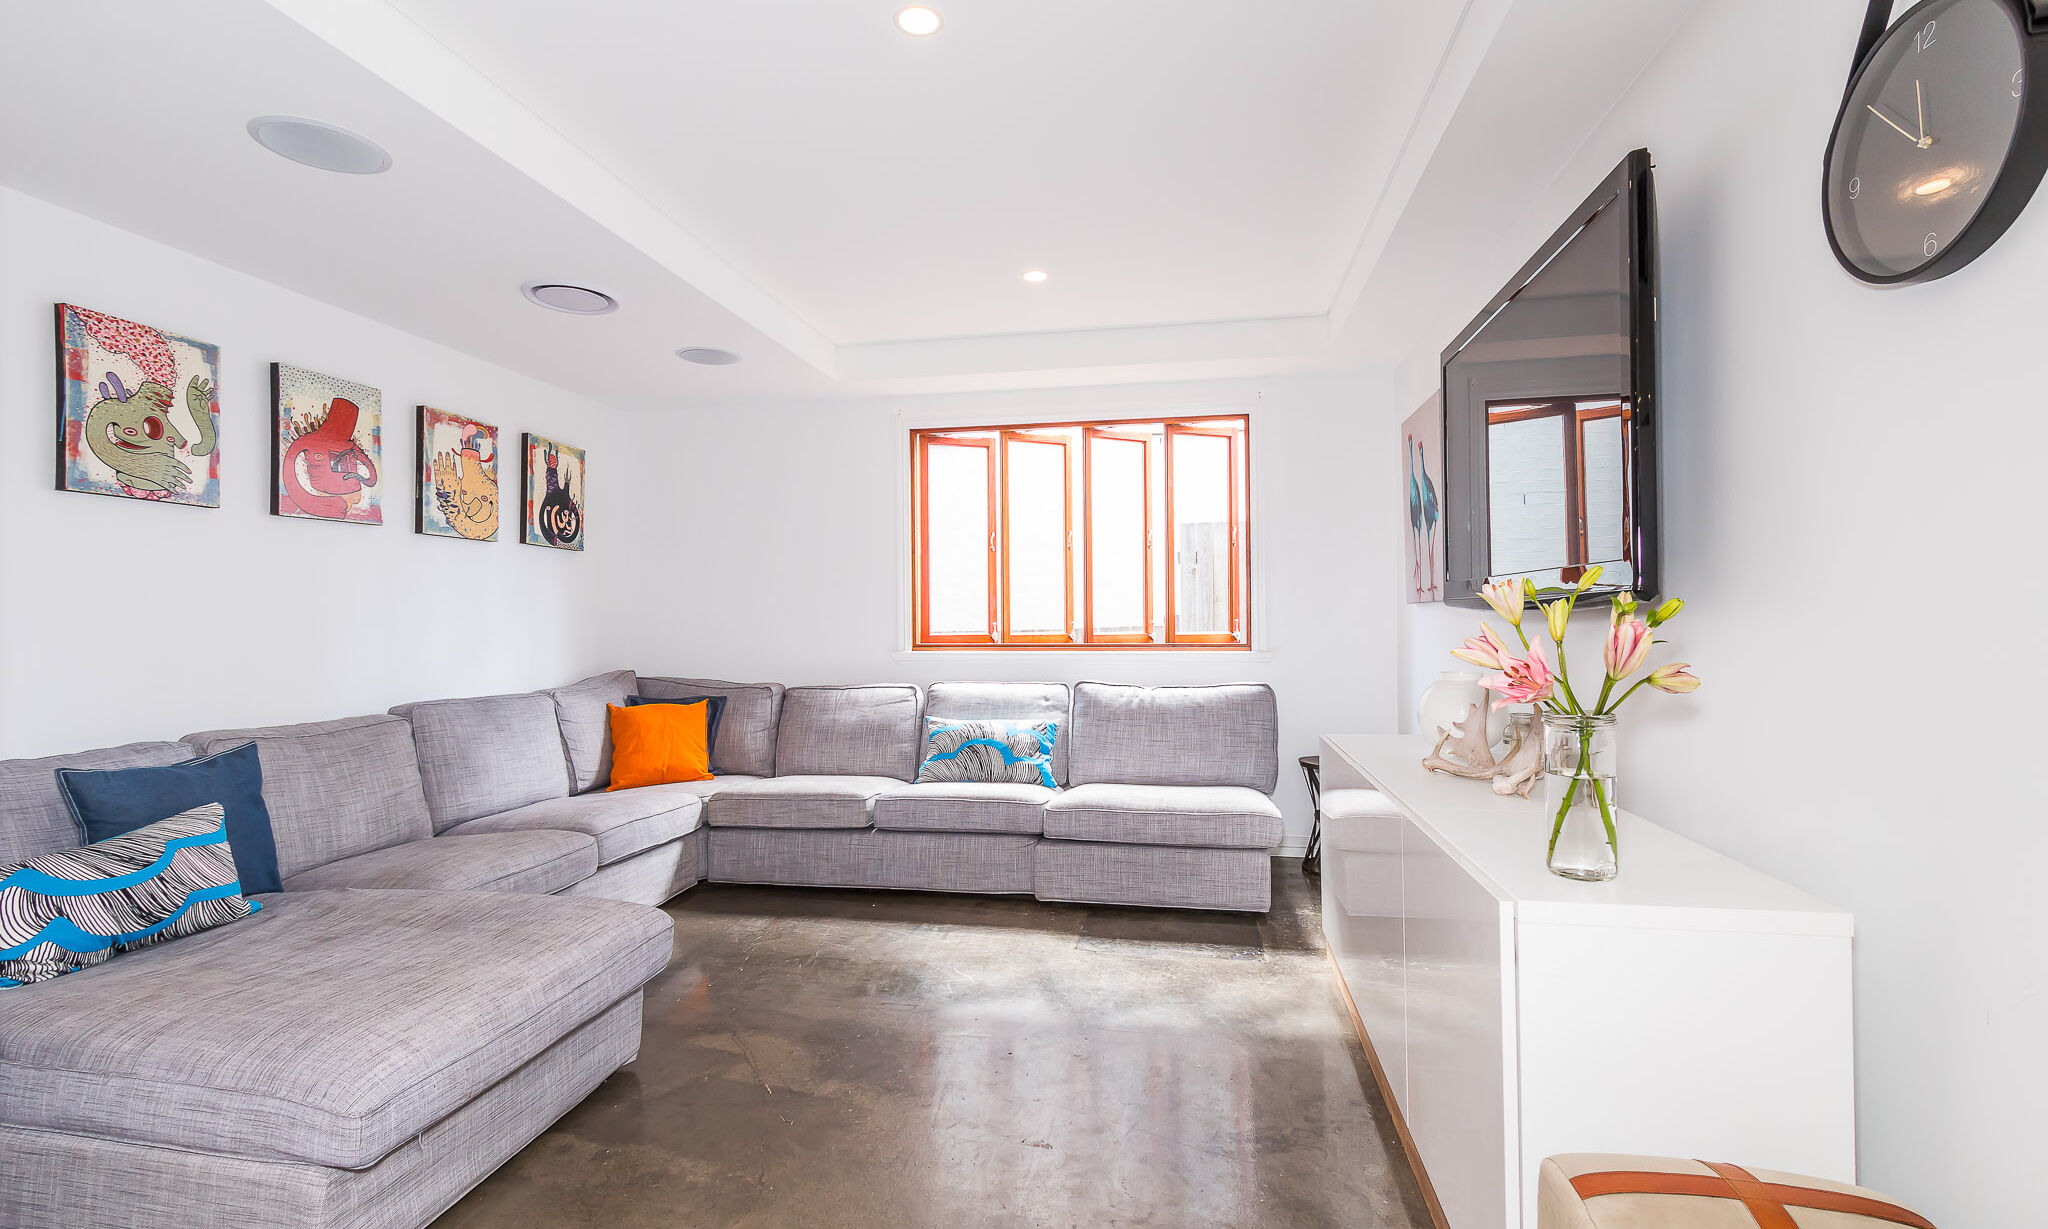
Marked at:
<point>660,744</point>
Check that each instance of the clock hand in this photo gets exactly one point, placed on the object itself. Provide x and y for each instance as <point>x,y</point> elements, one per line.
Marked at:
<point>1920,105</point>
<point>1888,119</point>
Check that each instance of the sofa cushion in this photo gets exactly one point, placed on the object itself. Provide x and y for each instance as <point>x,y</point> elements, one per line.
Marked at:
<point>33,818</point>
<point>799,802</point>
<point>716,785</point>
<point>586,735</point>
<point>661,743</point>
<point>484,754</point>
<point>539,863</point>
<point>622,822</point>
<point>963,806</point>
<point>1008,702</point>
<point>334,788</point>
<point>995,752</point>
<point>74,908</point>
<point>1212,816</point>
<point>329,1028</point>
<point>1225,735</point>
<point>109,801</point>
<point>746,729</point>
<point>865,731</point>
<point>714,709</point>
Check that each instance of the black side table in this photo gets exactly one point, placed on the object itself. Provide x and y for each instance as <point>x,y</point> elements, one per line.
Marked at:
<point>1312,858</point>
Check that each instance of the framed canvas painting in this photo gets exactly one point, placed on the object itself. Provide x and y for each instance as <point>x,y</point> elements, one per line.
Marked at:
<point>458,477</point>
<point>326,447</point>
<point>554,494</point>
<point>1422,474</point>
<point>138,410</point>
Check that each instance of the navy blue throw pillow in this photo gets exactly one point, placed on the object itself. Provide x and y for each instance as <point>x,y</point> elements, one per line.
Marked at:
<point>711,716</point>
<point>109,802</point>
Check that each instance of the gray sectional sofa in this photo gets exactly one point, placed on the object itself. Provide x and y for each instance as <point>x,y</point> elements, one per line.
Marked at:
<point>458,953</point>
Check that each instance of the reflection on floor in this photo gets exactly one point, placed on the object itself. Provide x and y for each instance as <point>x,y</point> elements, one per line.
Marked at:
<point>826,1059</point>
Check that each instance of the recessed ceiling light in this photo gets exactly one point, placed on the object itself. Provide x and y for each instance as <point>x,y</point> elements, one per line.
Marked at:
<point>576,300</point>
<point>316,143</point>
<point>1940,183</point>
<point>707,356</point>
<point>918,21</point>
<point>1035,276</point>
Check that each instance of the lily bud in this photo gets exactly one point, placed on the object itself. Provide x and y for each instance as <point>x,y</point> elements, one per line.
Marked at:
<point>1558,614</point>
<point>1628,643</point>
<point>1664,613</point>
<point>1673,677</point>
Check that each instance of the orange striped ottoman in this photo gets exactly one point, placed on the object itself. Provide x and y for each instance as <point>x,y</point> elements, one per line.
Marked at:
<point>1594,1191</point>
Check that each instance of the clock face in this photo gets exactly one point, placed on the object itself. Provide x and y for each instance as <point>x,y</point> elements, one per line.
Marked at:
<point>1926,131</point>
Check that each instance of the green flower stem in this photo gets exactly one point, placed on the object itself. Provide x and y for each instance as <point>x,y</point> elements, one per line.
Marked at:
<point>1584,772</point>
<point>1564,679</point>
<point>1606,818</point>
<point>1625,695</point>
<point>1571,792</point>
<point>1606,689</point>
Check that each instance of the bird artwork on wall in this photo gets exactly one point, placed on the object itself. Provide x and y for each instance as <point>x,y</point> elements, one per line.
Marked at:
<point>1422,453</point>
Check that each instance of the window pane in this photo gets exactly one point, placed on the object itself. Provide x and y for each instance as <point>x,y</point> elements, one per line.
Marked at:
<point>1600,447</point>
<point>1525,494</point>
<point>1038,538</point>
<point>1201,534</point>
<point>1116,509</point>
<point>956,538</point>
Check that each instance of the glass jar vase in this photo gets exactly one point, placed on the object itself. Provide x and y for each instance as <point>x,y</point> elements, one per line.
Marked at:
<point>1579,797</point>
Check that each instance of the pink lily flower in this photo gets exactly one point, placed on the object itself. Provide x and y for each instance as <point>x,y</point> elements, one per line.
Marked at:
<point>1628,643</point>
<point>1522,681</point>
<point>1486,650</point>
<point>1672,677</point>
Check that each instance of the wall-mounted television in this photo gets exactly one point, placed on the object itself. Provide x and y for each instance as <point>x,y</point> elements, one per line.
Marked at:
<point>1550,408</point>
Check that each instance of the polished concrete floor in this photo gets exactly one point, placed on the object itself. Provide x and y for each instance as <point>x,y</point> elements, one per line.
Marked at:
<point>824,1059</point>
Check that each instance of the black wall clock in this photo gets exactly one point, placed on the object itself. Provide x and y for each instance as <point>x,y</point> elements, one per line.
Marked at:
<point>1940,141</point>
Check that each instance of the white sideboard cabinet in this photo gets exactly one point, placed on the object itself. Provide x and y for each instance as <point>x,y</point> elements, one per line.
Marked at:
<point>1691,1007</point>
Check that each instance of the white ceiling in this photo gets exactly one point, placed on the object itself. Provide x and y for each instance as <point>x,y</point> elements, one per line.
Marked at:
<point>1211,186</point>
<point>1165,161</point>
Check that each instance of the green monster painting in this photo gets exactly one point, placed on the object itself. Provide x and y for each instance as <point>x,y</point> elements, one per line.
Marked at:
<point>137,412</point>
<point>132,433</point>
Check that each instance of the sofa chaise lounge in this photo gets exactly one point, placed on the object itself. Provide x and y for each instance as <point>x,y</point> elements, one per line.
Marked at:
<point>458,953</point>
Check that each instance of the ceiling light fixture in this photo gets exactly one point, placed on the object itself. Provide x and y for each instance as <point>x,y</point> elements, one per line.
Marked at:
<point>918,21</point>
<point>707,357</point>
<point>1940,183</point>
<point>575,300</point>
<point>316,143</point>
<point>1035,276</point>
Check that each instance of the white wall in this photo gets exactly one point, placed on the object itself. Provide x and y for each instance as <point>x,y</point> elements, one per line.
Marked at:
<point>1853,505</point>
<point>122,619</point>
<point>793,522</point>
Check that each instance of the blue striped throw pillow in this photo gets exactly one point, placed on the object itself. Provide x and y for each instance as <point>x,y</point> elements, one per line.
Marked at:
<point>1011,752</point>
<point>70,910</point>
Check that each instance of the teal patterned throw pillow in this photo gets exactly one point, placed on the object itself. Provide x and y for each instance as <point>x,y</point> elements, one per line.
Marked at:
<point>70,910</point>
<point>1010,752</point>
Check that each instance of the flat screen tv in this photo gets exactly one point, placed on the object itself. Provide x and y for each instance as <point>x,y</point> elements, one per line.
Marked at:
<point>1550,408</point>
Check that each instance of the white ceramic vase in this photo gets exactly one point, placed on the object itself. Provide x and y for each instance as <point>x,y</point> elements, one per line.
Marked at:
<point>1447,701</point>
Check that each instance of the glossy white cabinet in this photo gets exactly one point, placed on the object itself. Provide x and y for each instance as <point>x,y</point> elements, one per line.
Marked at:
<point>1692,1007</point>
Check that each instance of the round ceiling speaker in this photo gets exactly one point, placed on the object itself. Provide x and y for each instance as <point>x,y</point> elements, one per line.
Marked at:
<point>707,356</point>
<point>315,143</point>
<point>576,300</point>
